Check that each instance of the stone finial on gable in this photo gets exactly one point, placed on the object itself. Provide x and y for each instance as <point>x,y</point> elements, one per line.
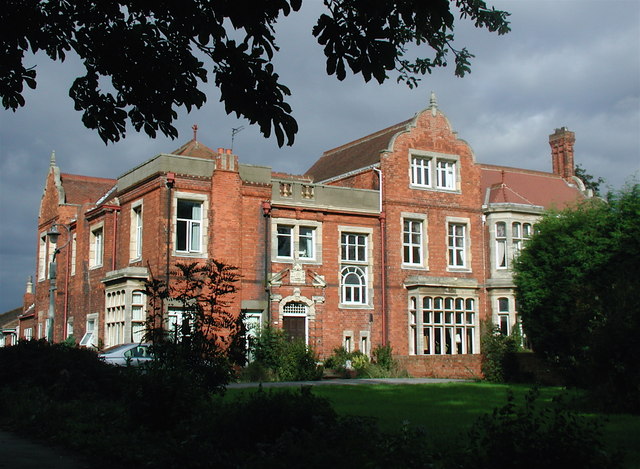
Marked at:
<point>433,104</point>
<point>52,159</point>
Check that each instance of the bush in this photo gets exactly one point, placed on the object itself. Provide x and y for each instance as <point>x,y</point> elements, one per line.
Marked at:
<point>61,370</point>
<point>341,360</point>
<point>529,437</point>
<point>382,364</point>
<point>279,359</point>
<point>498,361</point>
<point>383,357</point>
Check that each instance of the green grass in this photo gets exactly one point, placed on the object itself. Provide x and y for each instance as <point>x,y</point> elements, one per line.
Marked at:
<point>446,411</point>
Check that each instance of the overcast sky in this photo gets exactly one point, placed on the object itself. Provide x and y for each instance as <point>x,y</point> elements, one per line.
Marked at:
<point>573,63</point>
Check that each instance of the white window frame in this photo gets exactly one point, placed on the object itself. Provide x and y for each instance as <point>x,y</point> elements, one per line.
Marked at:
<point>354,247</point>
<point>354,293</point>
<point>443,324</point>
<point>502,256</point>
<point>410,262</point>
<point>115,320</point>
<point>42,257</point>
<point>173,324</point>
<point>420,171</point>
<point>192,239</point>
<point>300,232</point>
<point>138,314</point>
<point>347,341</point>
<point>89,339</point>
<point>69,326</point>
<point>203,223</point>
<point>434,171</point>
<point>453,247</point>
<point>446,174</point>
<point>136,231</point>
<point>356,258</point>
<point>365,343</point>
<point>306,236</point>
<point>74,252</point>
<point>284,238</point>
<point>96,253</point>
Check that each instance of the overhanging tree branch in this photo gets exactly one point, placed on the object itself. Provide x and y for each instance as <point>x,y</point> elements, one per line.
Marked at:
<point>142,63</point>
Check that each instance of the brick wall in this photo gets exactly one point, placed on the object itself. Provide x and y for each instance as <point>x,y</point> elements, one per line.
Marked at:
<point>442,366</point>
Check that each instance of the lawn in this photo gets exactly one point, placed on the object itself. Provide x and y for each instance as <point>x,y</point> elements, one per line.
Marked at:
<point>447,410</point>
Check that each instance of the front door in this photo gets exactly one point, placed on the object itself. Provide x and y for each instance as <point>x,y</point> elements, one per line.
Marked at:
<point>295,327</point>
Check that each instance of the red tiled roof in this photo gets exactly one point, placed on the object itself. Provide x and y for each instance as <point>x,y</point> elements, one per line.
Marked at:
<point>84,189</point>
<point>195,149</point>
<point>521,186</point>
<point>292,177</point>
<point>354,155</point>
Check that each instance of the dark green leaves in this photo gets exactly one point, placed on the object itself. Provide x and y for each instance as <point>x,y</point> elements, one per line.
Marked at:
<point>372,37</point>
<point>141,62</point>
<point>577,289</point>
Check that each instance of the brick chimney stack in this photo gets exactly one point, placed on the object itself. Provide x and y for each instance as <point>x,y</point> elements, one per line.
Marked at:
<point>561,142</point>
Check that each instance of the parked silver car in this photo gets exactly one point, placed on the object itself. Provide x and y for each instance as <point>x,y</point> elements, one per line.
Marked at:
<point>127,354</point>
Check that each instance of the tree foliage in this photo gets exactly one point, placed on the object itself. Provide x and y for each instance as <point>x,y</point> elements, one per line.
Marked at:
<point>590,182</point>
<point>577,287</point>
<point>209,334</point>
<point>145,59</point>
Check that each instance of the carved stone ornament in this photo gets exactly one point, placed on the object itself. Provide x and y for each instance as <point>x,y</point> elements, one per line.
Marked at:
<point>297,275</point>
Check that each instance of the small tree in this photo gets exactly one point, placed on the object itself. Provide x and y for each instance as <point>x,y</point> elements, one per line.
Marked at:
<point>498,361</point>
<point>202,341</point>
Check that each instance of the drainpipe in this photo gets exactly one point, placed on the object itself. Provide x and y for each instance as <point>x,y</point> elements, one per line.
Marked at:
<point>383,262</point>
<point>65,309</point>
<point>487,302</point>
<point>171,180</point>
<point>266,212</point>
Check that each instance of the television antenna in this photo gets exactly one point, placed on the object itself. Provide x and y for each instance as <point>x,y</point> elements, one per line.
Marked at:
<point>235,131</point>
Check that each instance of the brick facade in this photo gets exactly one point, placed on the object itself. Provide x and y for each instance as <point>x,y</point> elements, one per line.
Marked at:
<point>390,239</point>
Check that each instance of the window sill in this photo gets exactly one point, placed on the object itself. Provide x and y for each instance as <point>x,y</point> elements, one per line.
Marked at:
<point>414,267</point>
<point>434,189</point>
<point>459,269</point>
<point>354,306</point>
<point>197,255</point>
<point>289,260</point>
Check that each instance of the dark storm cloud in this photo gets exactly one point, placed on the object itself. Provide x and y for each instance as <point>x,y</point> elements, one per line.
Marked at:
<point>573,63</point>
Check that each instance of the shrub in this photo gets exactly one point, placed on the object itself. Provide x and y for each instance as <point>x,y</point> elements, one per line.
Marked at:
<point>383,357</point>
<point>61,370</point>
<point>279,359</point>
<point>498,361</point>
<point>531,437</point>
<point>382,364</point>
<point>341,360</point>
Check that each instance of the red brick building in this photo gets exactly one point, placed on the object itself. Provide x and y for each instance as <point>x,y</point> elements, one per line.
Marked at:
<point>398,238</point>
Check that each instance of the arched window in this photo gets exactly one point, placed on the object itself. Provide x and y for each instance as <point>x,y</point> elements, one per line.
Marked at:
<point>354,285</point>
